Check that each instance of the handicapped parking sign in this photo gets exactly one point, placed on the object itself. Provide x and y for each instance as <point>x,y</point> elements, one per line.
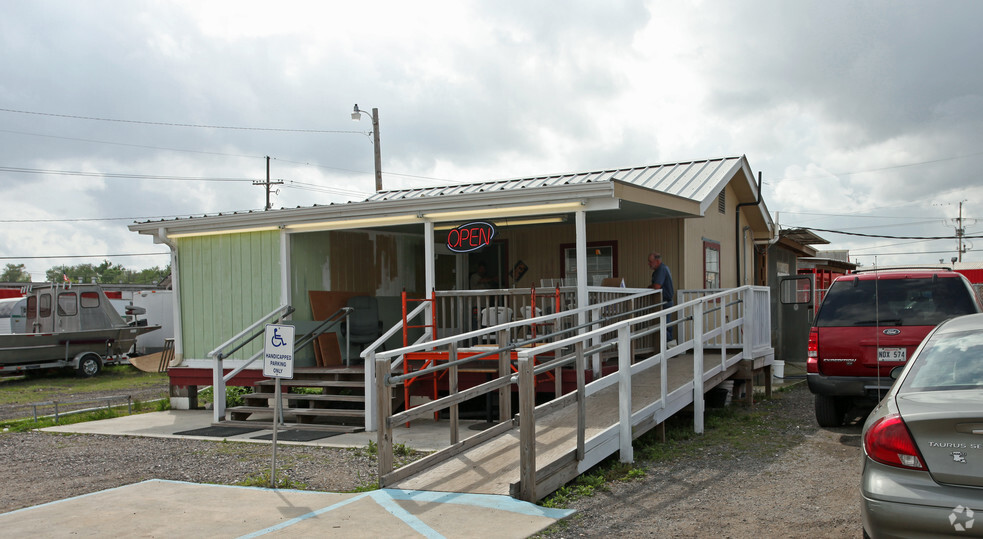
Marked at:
<point>278,351</point>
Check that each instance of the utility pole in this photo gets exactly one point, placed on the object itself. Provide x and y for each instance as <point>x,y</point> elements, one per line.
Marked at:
<point>959,224</point>
<point>268,183</point>
<point>356,116</point>
<point>960,231</point>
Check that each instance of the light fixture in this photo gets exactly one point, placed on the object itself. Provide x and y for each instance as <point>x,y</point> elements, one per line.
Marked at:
<point>220,232</point>
<point>356,116</point>
<point>505,211</point>
<point>512,222</point>
<point>405,219</point>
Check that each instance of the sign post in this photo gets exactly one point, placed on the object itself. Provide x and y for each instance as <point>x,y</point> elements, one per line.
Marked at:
<point>278,362</point>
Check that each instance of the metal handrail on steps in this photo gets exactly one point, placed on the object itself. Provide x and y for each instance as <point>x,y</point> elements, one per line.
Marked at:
<point>254,330</point>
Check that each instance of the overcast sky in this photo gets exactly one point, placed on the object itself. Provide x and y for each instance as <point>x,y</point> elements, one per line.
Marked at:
<point>863,117</point>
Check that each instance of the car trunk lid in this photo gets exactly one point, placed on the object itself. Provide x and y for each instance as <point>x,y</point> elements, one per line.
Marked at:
<point>948,429</point>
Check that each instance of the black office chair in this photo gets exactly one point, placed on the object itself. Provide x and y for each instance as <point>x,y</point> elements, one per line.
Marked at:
<point>364,325</point>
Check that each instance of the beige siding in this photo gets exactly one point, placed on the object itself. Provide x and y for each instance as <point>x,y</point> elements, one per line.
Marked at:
<point>228,281</point>
<point>719,228</point>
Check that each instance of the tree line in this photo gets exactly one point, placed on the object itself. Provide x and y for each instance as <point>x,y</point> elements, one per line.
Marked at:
<point>106,273</point>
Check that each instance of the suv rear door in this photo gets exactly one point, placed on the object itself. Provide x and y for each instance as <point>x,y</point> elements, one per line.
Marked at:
<point>866,323</point>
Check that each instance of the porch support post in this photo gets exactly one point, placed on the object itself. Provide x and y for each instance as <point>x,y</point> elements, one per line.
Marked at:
<point>284,268</point>
<point>582,297</point>
<point>429,278</point>
<point>581,225</point>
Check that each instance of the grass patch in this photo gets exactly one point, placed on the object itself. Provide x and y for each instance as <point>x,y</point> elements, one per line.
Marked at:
<point>233,395</point>
<point>38,387</point>
<point>262,479</point>
<point>730,431</point>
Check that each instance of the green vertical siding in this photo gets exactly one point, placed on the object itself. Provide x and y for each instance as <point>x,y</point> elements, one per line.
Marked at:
<point>227,282</point>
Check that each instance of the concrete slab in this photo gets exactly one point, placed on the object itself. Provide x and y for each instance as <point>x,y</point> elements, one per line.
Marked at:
<point>172,508</point>
<point>422,435</point>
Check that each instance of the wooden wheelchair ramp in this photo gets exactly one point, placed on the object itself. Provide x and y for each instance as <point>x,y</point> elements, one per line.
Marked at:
<point>528,455</point>
<point>492,467</point>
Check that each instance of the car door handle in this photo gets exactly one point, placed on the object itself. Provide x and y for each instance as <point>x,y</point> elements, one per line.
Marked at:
<point>970,428</point>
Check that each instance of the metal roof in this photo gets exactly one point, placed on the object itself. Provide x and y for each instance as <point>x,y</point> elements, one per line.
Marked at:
<point>694,180</point>
<point>686,189</point>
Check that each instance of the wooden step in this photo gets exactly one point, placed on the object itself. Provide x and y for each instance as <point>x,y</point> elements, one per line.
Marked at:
<point>307,397</point>
<point>313,383</point>
<point>312,412</point>
<point>329,370</point>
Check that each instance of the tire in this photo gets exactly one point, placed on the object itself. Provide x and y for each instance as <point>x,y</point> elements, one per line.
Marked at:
<point>89,365</point>
<point>829,411</point>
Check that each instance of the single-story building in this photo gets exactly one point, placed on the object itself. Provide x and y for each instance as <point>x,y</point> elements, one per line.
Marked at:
<point>576,230</point>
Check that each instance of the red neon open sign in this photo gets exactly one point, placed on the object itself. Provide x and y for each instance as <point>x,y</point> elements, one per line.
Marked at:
<point>470,237</point>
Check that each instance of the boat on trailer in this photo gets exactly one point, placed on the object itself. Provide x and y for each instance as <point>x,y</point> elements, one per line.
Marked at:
<point>69,325</point>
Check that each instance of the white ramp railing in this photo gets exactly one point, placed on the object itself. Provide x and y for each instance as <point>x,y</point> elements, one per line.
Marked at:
<point>714,321</point>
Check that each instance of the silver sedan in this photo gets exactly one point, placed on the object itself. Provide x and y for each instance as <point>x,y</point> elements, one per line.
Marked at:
<point>923,444</point>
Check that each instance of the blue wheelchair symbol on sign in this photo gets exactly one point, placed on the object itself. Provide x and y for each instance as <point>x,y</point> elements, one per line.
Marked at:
<point>277,340</point>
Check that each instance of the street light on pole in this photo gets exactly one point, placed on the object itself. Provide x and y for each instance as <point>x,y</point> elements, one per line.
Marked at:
<point>356,116</point>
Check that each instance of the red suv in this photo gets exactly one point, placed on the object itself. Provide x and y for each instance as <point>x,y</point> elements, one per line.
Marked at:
<point>870,322</point>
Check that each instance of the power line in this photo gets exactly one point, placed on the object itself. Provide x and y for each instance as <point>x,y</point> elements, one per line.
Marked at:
<point>884,236</point>
<point>146,147</point>
<point>881,169</point>
<point>111,175</point>
<point>173,124</point>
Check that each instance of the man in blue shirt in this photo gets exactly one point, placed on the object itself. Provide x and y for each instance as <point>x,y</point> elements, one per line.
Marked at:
<point>662,280</point>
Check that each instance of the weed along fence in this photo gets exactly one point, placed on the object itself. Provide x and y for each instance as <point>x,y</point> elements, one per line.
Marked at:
<point>58,408</point>
<point>613,376</point>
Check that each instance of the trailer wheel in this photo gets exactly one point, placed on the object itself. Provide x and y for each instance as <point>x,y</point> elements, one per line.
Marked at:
<point>89,365</point>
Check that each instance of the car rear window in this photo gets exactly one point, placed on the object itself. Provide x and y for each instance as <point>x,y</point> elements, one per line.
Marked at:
<point>900,302</point>
<point>952,361</point>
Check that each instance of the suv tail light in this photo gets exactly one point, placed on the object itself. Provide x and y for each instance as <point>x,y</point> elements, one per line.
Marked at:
<point>812,352</point>
<point>888,441</point>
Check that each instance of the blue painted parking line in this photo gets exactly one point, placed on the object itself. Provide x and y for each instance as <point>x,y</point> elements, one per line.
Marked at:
<point>387,498</point>
<point>487,501</point>
<point>312,514</point>
<point>388,503</point>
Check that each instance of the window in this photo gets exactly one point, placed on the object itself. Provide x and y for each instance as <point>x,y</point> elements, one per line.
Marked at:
<point>711,264</point>
<point>67,304</point>
<point>602,262</point>
<point>44,305</point>
<point>90,300</point>
<point>32,307</point>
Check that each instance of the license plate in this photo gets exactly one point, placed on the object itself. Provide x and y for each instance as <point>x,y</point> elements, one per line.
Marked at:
<point>892,354</point>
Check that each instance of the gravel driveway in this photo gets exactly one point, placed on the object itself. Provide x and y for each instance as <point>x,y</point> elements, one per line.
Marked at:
<point>790,479</point>
<point>785,478</point>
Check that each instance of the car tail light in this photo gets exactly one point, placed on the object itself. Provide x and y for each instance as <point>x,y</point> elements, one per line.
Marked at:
<point>888,441</point>
<point>812,352</point>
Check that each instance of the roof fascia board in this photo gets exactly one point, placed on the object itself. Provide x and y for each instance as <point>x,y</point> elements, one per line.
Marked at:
<point>649,197</point>
<point>711,198</point>
<point>593,195</point>
<point>761,219</point>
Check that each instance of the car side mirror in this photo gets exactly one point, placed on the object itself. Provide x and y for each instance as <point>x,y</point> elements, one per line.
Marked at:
<point>896,372</point>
